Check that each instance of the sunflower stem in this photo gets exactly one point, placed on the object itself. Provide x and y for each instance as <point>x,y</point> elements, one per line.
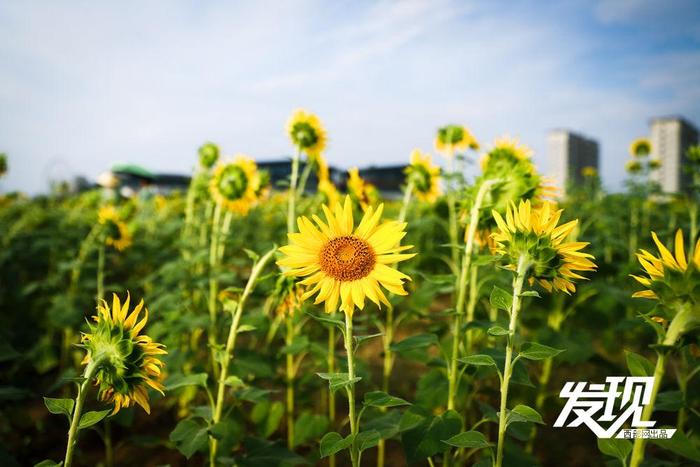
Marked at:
<point>331,395</point>
<point>100,271</point>
<point>304,177</point>
<point>350,388</point>
<point>290,373</point>
<point>89,373</point>
<point>291,207</point>
<point>523,266</point>
<point>673,333</point>
<point>213,281</point>
<point>462,281</point>
<point>230,344</point>
<point>408,192</point>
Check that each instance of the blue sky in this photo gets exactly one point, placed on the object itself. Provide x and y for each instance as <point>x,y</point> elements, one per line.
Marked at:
<point>84,85</point>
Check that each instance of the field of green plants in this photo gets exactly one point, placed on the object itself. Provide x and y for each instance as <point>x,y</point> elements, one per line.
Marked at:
<point>240,323</point>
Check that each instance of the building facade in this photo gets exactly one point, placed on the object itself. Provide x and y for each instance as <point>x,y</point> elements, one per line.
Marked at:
<point>568,154</point>
<point>670,139</point>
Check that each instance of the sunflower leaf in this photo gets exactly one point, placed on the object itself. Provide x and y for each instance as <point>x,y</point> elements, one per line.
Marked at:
<point>478,360</point>
<point>179,381</point>
<point>91,418</point>
<point>638,365</point>
<point>497,331</point>
<point>535,351</point>
<point>469,440</point>
<point>60,406</point>
<point>382,399</point>
<point>338,380</point>
<point>418,341</point>
<point>333,442</point>
<point>523,413</point>
<point>500,299</point>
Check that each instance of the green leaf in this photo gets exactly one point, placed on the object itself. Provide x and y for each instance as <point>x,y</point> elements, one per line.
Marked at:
<point>468,439</point>
<point>338,380</point>
<point>497,331</point>
<point>669,401</point>
<point>638,365</point>
<point>246,328</point>
<point>332,443</point>
<point>681,445</point>
<point>418,341</point>
<point>273,419</point>
<point>523,413</point>
<point>530,293</point>
<point>422,433</point>
<point>360,339</point>
<point>48,463</point>
<point>234,381</point>
<point>478,360</point>
<point>309,426</point>
<point>501,299</point>
<point>382,399</point>
<point>614,447</point>
<point>60,406</point>
<point>298,345</point>
<point>90,418</point>
<point>328,321</point>
<point>189,436</point>
<point>535,351</point>
<point>179,381</point>
<point>367,439</point>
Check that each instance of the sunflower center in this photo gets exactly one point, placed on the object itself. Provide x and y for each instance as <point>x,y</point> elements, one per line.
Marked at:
<point>421,178</point>
<point>233,182</point>
<point>304,134</point>
<point>347,258</point>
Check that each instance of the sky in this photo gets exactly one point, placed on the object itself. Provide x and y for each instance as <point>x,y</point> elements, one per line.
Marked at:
<point>84,85</point>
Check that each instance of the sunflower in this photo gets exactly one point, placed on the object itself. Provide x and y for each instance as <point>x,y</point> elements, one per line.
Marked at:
<point>127,363</point>
<point>510,147</point>
<point>589,171</point>
<point>328,191</point>
<point>509,163</point>
<point>633,167</point>
<point>3,164</point>
<point>208,155</point>
<point>344,263</point>
<point>307,133</point>
<point>533,233</point>
<point>116,232</point>
<point>669,276</point>
<point>363,193</point>
<point>424,175</point>
<point>654,164</point>
<point>234,184</point>
<point>454,138</point>
<point>640,147</point>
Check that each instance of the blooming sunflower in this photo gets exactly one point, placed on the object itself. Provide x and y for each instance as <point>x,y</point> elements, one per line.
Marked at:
<point>234,184</point>
<point>454,138</point>
<point>424,175</point>
<point>116,232</point>
<point>640,147</point>
<point>509,163</point>
<point>655,164</point>
<point>589,171</point>
<point>329,192</point>
<point>363,193</point>
<point>670,276</point>
<point>127,363</point>
<point>533,233</point>
<point>633,167</point>
<point>208,155</point>
<point>344,263</point>
<point>307,133</point>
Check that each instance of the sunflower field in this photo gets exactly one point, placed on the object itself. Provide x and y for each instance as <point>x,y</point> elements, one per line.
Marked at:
<point>240,323</point>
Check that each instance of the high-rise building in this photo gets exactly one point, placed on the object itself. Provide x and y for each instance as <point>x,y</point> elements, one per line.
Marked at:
<point>670,138</point>
<point>569,153</point>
